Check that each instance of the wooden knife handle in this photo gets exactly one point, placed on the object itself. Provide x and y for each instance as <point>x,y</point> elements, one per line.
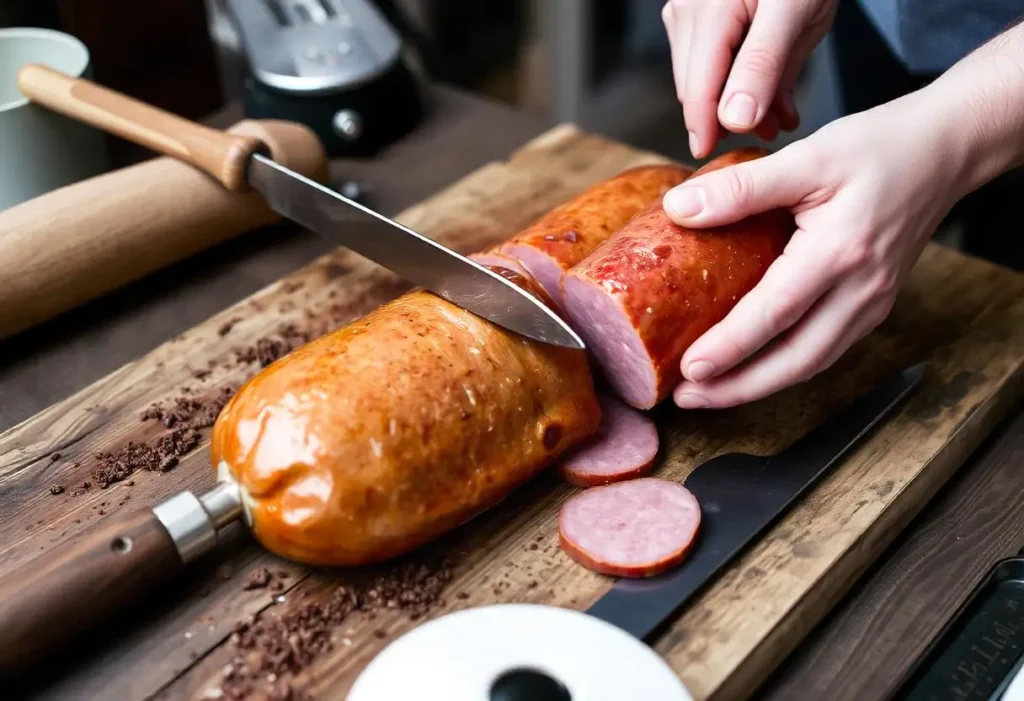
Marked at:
<point>223,156</point>
<point>80,584</point>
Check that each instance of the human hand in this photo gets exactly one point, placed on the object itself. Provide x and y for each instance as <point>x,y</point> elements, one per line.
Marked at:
<point>771,40</point>
<point>867,192</point>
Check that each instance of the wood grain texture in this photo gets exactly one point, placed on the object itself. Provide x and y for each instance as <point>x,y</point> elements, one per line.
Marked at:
<point>79,242</point>
<point>870,641</point>
<point>962,315</point>
<point>223,156</point>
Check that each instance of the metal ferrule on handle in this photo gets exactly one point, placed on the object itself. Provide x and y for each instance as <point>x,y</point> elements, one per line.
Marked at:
<point>193,522</point>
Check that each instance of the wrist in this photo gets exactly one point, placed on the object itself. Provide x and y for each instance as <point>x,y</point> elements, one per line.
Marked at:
<point>976,110</point>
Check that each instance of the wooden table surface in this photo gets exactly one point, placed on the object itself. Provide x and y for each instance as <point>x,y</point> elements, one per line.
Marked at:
<point>860,651</point>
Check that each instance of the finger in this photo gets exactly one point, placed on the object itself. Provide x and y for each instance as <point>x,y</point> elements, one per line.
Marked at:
<point>729,194</point>
<point>790,286</point>
<point>785,101</point>
<point>714,35</point>
<point>768,129</point>
<point>759,65</point>
<point>677,27</point>
<point>811,347</point>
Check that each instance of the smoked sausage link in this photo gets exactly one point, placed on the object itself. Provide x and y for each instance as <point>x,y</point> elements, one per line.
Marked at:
<point>649,291</point>
<point>568,233</point>
<point>382,435</point>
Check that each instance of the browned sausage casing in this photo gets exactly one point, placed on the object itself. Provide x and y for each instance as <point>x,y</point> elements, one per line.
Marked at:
<point>649,291</point>
<point>378,437</point>
<point>568,233</point>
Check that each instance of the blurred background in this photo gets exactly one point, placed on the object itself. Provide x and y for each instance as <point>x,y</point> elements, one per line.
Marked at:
<point>603,65</point>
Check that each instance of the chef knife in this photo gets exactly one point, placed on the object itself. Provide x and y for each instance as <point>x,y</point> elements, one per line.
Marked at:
<point>241,163</point>
<point>740,497</point>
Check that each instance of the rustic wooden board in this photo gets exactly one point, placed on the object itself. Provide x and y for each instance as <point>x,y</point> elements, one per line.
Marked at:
<point>965,316</point>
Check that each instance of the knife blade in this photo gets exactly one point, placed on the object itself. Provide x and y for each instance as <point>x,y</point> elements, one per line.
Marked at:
<point>407,253</point>
<point>740,497</point>
<point>239,162</point>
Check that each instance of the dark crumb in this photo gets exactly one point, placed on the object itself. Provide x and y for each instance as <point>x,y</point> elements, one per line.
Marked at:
<point>292,286</point>
<point>257,579</point>
<point>200,374</point>
<point>380,634</point>
<point>130,483</point>
<point>282,573</point>
<point>55,457</point>
<point>533,546</point>
<point>268,652</point>
<point>86,485</point>
<point>277,585</point>
<point>532,584</point>
<point>101,512</point>
<point>226,327</point>
<point>56,489</point>
<point>462,595</point>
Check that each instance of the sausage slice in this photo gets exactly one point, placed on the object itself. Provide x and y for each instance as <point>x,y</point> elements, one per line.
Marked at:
<point>566,234</point>
<point>648,292</point>
<point>624,448</point>
<point>638,528</point>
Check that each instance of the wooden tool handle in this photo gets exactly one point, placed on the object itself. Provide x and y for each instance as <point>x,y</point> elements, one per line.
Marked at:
<point>77,243</point>
<point>81,583</point>
<point>222,155</point>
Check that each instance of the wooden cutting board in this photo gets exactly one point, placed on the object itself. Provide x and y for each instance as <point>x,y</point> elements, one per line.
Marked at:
<point>964,316</point>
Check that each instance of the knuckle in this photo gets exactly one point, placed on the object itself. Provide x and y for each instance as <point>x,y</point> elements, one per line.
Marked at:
<point>884,284</point>
<point>780,313</point>
<point>762,63</point>
<point>853,255</point>
<point>738,184</point>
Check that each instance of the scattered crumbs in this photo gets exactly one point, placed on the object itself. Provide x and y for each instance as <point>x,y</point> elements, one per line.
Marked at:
<point>257,579</point>
<point>101,512</point>
<point>56,489</point>
<point>55,457</point>
<point>533,546</point>
<point>270,651</point>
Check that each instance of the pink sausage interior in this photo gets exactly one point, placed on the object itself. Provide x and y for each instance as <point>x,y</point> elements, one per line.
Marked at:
<point>612,339</point>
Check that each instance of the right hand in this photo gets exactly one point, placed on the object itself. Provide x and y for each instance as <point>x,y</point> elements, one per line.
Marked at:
<point>771,40</point>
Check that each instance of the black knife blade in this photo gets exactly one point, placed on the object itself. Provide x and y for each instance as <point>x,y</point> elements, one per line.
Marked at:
<point>740,496</point>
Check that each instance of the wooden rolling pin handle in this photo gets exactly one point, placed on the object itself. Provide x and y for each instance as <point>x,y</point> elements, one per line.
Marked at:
<point>82,583</point>
<point>223,156</point>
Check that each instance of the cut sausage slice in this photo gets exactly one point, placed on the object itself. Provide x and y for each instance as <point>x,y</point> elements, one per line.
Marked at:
<point>638,528</point>
<point>624,448</point>
<point>493,259</point>
<point>568,233</point>
<point>648,292</point>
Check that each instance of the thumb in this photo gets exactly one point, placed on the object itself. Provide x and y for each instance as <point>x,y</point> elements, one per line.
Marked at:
<point>735,192</point>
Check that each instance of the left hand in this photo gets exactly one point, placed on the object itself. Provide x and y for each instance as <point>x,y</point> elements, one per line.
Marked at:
<point>867,192</point>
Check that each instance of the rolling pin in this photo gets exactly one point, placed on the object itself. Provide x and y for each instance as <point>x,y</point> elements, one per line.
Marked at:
<point>81,241</point>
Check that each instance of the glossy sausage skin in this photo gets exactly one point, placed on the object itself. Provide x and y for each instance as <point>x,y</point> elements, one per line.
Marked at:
<point>653,288</point>
<point>382,435</point>
<point>568,233</point>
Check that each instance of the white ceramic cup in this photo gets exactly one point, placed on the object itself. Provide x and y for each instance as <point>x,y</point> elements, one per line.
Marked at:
<point>41,150</point>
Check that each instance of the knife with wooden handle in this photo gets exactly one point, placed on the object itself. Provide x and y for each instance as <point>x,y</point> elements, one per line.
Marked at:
<point>240,162</point>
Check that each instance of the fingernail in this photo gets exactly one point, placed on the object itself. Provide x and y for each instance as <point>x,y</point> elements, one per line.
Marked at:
<point>684,202</point>
<point>741,110</point>
<point>694,145</point>
<point>699,370</point>
<point>691,400</point>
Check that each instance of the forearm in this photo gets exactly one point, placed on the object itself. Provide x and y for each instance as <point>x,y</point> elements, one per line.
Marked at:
<point>979,104</point>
